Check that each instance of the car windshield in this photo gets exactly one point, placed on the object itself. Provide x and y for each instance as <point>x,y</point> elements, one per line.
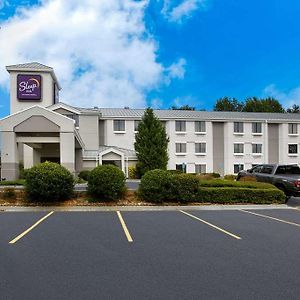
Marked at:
<point>288,170</point>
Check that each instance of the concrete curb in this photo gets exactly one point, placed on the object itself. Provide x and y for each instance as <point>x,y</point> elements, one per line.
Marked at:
<point>140,208</point>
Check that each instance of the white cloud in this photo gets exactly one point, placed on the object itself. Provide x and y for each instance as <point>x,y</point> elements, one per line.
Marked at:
<point>100,50</point>
<point>182,11</point>
<point>177,69</point>
<point>287,98</point>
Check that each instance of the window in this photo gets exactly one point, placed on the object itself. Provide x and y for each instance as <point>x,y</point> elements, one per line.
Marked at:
<point>180,126</point>
<point>266,170</point>
<point>200,126</point>
<point>256,169</point>
<point>293,128</point>
<point>293,148</point>
<point>238,148</point>
<point>136,124</point>
<point>237,168</point>
<point>256,148</point>
<point>256,127</point>
<point>200,147</point>
<point>181,167</point>
<point>180,147</point>
<point>200,168</point>
<point>238,127</point>
<point>119,125</point>
<point>288,170</point>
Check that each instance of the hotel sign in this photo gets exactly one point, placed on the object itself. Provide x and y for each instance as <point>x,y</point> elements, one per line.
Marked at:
<point>29,87</point>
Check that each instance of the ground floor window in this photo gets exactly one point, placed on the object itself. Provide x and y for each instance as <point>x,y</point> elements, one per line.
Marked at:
<point>293,148</point>
<point>181,167</point>
<point>200,168</point>
<point>238,167</point>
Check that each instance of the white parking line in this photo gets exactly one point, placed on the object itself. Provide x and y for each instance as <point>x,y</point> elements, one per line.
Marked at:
<point>212,225</point>
<point>269,217</point>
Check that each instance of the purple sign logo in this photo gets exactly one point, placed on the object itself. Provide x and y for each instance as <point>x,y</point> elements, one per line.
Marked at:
<point>29,87</point>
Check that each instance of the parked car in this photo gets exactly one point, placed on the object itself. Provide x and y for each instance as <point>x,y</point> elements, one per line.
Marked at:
<point>284,177</point>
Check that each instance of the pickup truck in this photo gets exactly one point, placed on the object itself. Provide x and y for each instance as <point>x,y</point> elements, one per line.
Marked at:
<point>284,177</point>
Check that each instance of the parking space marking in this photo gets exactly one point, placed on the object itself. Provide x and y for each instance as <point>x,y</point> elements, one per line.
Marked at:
<point>212,225</point>
<point>126,231</point>
<point>269,217</point>
<point>30,228</point>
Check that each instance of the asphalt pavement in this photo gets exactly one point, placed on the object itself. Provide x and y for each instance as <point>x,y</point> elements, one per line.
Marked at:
<point>229,254</point>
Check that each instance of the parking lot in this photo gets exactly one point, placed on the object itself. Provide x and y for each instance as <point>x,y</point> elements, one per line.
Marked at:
<point>188,254</point>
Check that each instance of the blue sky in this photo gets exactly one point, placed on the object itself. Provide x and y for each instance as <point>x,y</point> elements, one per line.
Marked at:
<point>158,53</point>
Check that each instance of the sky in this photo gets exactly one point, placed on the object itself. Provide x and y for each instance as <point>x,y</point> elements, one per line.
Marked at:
<point>158,53</point>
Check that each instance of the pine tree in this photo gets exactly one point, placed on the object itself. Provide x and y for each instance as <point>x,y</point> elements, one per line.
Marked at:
<point>151,144</point>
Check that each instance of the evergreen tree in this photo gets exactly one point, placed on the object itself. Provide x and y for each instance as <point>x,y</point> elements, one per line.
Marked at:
<point>151,144</point>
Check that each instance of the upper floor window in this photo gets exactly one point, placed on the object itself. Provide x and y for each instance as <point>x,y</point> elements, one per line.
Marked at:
<point>293,128</point>
<point>119,125</point>
<point>293,148</point>
<point>256,148</point>
<point>238,127</point>
<point>200,126</point>
<point>180,147</point>
<point>200,147</point>
<point>180,126</point>
<point>256,127</point>
<point>238,148</point>
<point>136,125</point>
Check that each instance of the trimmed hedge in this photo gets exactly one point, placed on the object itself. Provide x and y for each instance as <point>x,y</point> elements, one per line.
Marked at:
<point>162,186</point>
<point>84,174</point>
<point>156,186</point>
<point>49,182</point>
<point>107,182</point>
<point>240,195</point>
<point>13,182</point>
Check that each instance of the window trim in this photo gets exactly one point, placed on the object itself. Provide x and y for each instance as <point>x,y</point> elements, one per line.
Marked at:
<point>119,131</point>
<point>181,153</point>
<point>201,153</point>
<point>239,153</point>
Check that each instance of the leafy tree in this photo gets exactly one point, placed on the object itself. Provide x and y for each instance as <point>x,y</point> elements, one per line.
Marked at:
<point>269,104</point>
<point>294,109</point>
<point>228,104</point>
<point>183,107</point>
<point>151,144</point>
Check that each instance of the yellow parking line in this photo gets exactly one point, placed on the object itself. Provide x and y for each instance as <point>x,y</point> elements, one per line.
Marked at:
<point>212,225</point>
<point>30,228</point>
<point>268,217</point>
<point>126,231</point>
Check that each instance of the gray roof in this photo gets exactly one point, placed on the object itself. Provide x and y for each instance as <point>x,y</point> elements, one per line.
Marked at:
<point>189,114</point>
<point>29,66</point>
<point>94,153</point>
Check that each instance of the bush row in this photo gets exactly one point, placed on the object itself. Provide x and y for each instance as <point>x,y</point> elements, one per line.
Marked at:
<point>162,186</point>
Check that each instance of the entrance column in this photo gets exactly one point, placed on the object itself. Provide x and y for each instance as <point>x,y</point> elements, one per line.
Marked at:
<point>67,151</point>
<point>10,156</point>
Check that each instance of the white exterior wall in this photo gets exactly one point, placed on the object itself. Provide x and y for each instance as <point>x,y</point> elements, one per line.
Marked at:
<point>89,131</point>
<point>190,138</point>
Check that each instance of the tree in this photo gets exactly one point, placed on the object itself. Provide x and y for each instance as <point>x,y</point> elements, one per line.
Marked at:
<point>269,104</point>
<point>295,109</point>
<point>183,107</point>
<point>228,104</point>
<point>151,144</point>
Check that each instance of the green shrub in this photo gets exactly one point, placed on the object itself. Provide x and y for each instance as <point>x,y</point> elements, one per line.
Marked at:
<point>230,177</point>
<point>204,176</point>
<point>175,171</point>
<point>236,184</point>
<point>132,173</point>
<point>13,182</point>
<point>49,182</point>
<point>240,195</point>
<point>107,182</point>
<point>84,174</point>
<point>156,186</point>
<point>185,187</point>
<point>9,193</point>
